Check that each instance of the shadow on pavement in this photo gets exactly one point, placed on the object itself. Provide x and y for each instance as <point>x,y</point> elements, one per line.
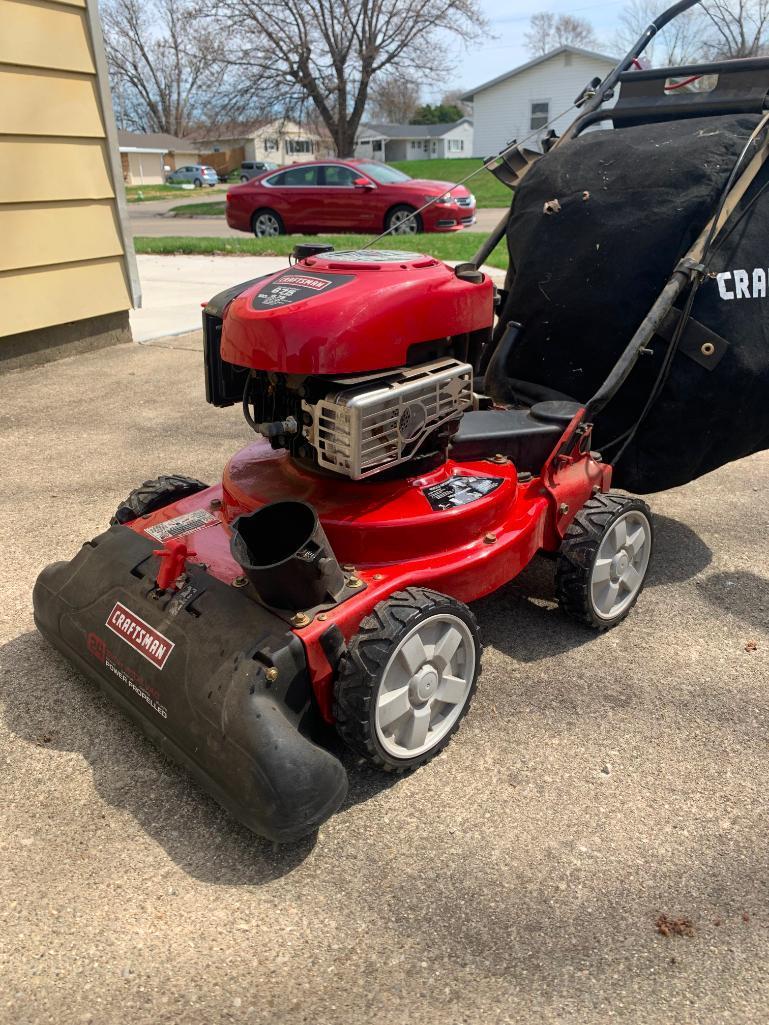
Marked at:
<point>523,621</point>
<point>49,704</point>
<point>741,593</point>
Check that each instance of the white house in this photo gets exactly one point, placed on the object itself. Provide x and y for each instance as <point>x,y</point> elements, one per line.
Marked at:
<point>523,100</point>
<point>415,142</point>
<point>280,140</point>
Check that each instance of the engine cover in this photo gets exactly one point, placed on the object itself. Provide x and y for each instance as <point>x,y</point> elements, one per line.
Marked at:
<point>352,312</point>
<point>373,426</point>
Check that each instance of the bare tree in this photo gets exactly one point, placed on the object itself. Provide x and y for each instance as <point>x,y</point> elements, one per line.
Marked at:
<point>164,61</point>
<point>548,31</point>
<point>453,98</point>
<point>393,99</point>
<point>681,41</point>
<point>327,53</point>
<point>737,28</point>
<point>717,29</point>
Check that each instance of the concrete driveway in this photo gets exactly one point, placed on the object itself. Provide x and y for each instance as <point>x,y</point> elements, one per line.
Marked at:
<point>598,782</point>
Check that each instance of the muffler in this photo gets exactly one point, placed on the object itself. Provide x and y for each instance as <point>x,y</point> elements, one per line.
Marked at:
<point>286,555</point>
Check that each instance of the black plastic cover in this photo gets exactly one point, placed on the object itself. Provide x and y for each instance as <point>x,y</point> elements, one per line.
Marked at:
<point>218,682</point>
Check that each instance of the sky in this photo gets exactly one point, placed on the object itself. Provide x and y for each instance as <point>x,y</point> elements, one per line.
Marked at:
<point>509,21</point>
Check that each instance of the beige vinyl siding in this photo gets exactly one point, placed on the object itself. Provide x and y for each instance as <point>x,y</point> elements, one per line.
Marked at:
<point>54,233</point>
<point>35,33</point>
<point>63,253</point>
<point>44,296</point>
<point>49,103</point>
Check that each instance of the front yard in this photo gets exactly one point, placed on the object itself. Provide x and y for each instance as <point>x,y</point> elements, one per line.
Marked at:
<point>457,246</point>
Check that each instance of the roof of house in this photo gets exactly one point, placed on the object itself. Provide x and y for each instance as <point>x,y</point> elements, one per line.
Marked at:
<point>153,142</point>
<point>234,130</point>
<point>415,131</point>
<point>539,60</point>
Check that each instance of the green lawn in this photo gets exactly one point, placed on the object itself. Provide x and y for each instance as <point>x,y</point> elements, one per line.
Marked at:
<point>143,193</point>
<point>487,190</point>
<point>458,246</point>
<point>199,209</point>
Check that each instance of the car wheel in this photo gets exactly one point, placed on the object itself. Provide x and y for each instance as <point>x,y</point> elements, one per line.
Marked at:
<point>244,177</point>
<point>403,220</point>
<point>198,183</point>
<point>407,678</point>
<point>267,224</point>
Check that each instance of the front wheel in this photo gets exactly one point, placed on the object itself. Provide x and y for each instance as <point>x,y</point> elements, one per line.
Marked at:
<point>604,559</point>
<point>267,224</point>
<point>154,494</point>
<point>408,678</point>
<point>244,177</point>
<point>403,220</point>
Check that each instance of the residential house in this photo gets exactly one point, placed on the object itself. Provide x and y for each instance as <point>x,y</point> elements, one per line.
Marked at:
<point>144,156</point>
<point>415,142</point>
<point>524,100</point>
<point>67,268</point>
<point>280,140</point>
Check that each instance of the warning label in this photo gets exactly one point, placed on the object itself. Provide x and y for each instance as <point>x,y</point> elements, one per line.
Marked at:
<point>188,523</point>
<point>460,491</point>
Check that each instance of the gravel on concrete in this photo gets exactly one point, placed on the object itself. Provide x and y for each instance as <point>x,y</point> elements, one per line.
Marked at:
<point>598,783</point>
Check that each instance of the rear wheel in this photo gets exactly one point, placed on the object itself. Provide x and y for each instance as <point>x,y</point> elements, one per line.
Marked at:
<point>244,177</point>
<point>267,224</point>
<point>198,183</point>
<point>604,559</point>
<point>403,220</point>
<point>407,679</point>
<point>154,494</point>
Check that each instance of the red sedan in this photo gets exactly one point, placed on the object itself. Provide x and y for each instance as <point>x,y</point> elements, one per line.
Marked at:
<point>346,195</point>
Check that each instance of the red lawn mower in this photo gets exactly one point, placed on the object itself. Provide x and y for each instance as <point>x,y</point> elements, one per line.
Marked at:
<point>324,580</point>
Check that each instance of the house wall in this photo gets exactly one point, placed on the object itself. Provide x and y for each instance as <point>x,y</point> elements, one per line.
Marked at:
<point>260,146</point>
<point>463,135</point>
<point>502,112</point>
<point>67,271</point>
<point>145,168</point>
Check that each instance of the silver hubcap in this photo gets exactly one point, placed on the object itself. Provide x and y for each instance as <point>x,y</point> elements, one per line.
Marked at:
<point>425,686</point>
<point>266,226</point>
<point>621,564</point>
<point>403,223</point>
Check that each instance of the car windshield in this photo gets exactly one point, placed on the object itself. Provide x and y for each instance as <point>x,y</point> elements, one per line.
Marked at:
<point>383,174</point>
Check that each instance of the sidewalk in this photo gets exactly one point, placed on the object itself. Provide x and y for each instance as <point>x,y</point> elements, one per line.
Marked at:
<point>175,287</point>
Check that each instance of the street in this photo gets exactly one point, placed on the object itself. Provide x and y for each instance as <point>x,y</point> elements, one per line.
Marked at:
<point>147,219</point>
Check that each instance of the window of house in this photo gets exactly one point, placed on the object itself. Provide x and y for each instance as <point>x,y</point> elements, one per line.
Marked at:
<point>540,114</point>
<point>271,145</point>
<point>376,146</point>
<point>299,146</point>
<point>456,145</point>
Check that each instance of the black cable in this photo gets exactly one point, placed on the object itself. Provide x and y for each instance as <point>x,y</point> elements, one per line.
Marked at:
<point>246,411</point>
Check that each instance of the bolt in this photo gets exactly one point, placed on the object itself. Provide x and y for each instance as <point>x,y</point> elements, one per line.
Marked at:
<point>563,508</point>
<point>322,616</point>
<point>490,539</point>
<point>271,674</point>
<point>240,582</point>
<point>348,568</point>
<point>216,503</point>
<point>378,576</point>
<point>354,582</point>
<point>499,458</point>
<point>300,619</point>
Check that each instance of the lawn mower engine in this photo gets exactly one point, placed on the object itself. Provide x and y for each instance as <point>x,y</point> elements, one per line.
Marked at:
<point>322,581</point>
<point>355,363</point>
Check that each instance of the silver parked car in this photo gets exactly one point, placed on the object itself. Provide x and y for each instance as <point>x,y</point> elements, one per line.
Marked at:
<point>251,168</point>
<point>196,174</point>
